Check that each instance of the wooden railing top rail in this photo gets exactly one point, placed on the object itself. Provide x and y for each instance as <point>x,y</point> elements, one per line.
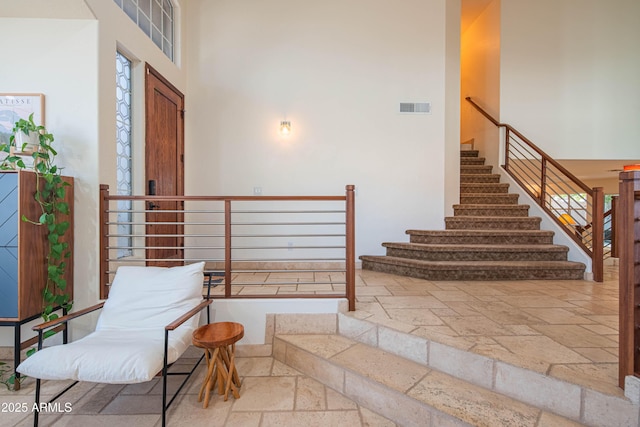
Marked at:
<point>544,155</point>
<point>232,198</point>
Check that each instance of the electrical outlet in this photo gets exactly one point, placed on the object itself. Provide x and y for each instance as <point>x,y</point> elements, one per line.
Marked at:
<point>257,191</point>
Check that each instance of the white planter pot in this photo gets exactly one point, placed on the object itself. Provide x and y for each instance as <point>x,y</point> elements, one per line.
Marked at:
<point>32,141</point>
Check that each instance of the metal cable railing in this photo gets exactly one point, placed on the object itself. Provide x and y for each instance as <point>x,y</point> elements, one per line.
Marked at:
<point>567,200</point>
<point>254,246</point>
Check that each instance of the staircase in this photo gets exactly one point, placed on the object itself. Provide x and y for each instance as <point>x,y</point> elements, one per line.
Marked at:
<point>490,237</point>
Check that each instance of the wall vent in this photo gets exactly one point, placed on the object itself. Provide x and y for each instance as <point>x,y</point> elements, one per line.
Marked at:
<point>415,107</point>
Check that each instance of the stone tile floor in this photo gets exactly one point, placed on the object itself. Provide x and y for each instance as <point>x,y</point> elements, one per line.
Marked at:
<point>564,328</point>
<point>272,394</point>
<point>567,329</point>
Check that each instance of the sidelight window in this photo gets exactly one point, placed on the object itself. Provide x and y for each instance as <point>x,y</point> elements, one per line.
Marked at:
<point>123,152</point>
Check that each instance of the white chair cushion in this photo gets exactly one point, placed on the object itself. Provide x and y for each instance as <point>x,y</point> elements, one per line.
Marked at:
<point>151,297</point>
<point>128,344</point>
<point>113,357</point>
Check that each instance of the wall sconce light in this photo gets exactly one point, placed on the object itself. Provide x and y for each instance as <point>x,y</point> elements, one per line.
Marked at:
<point>285,127</point>
<point>632,167</point>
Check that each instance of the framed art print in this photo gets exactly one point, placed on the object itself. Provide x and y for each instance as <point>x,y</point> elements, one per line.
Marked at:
<point>16,106</point>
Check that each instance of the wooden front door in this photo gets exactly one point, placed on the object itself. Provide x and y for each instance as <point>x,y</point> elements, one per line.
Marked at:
<point>164,166</point>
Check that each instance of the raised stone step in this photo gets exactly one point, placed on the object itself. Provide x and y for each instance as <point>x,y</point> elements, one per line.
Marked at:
<point>477,364</point>
<point>475,270</point>
<point>472,160</point>
<point>477,252</point>
<point>483,188</point>
<point>488,199</point>
<point>491,210</point>
<point>476,169</point>
<point>492,223</point>
<point>406,392</point>
<point>469,153</point>
<point>487,237</point>
<point>479,178</point>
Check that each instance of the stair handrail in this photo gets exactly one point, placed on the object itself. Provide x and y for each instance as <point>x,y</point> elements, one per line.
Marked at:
<point>593,242</point>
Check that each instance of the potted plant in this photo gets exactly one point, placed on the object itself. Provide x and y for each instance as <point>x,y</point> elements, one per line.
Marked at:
<point>31,141</point>
<point>26,136</point>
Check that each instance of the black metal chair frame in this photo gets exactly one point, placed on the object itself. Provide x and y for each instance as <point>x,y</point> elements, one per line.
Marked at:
<point>165,405</point>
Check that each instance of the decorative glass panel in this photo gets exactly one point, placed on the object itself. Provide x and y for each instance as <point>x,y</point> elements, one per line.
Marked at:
<point>154,18</point>
<point>123,151</point>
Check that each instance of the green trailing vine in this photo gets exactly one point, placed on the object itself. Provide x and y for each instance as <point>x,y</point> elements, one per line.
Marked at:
<point>50,195</point>
<point>7,380</point>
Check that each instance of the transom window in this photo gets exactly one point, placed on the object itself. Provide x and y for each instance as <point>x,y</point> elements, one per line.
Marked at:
<point>155,19</point>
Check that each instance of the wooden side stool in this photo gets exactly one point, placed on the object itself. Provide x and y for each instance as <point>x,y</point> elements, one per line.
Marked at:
<point>219,343</point>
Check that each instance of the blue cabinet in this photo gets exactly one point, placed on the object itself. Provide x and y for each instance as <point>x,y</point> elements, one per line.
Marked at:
<point>24,247</point>
<point>23,254</point>
<point>9,245</point>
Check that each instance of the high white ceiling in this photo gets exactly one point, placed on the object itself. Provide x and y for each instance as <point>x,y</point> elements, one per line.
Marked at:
<point>596,169</point>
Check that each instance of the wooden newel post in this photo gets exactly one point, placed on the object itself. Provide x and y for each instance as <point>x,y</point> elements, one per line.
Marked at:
<point>614,227</point>
<point>597,246</point>
<point>350,257</point>
<point>103,229</point>
<point>628,239</point>
<point>227,248</point>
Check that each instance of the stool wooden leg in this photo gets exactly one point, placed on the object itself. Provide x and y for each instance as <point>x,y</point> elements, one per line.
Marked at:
<point>232,376</point>
<point>211,379</point>
<point>224,353</point>
<point>222,375</point>
<point>236,377</point>
<point>207,355</point>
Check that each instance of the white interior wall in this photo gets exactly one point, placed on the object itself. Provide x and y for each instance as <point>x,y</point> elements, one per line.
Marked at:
<point>62,65</point>
<point>569,76</point>
<point>338,71</point>
<point>76,72</point>
<point>452,116</point>
<point>480,80</point>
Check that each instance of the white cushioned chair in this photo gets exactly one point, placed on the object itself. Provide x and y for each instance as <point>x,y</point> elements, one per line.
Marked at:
<point>145,325</point>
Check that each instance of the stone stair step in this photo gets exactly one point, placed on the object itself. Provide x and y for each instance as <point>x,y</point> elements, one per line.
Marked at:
<point>476,169</point>
<point>489,199</point>
<point>469,153</point>
<point>491,371</point>
<point>472,161</point>
<point>475,270</point>
<point>491,210</point>
<point>488,237</point>
<point>476,252</point>
<point>406,392</point>
<point>483,188</point>
<point>492,223</point>
<point>479,178</point>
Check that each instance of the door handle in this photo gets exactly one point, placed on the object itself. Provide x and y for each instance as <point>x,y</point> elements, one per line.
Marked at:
<point>152,192</point>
